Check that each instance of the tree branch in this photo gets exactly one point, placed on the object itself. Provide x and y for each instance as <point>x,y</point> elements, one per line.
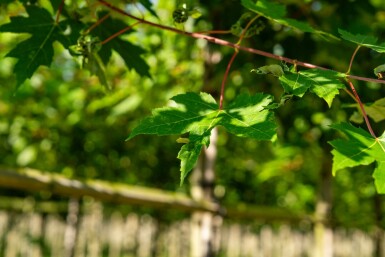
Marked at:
<point>232,45</point>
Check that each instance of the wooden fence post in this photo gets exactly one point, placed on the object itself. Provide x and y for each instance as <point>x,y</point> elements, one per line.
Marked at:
<point>70,234</point>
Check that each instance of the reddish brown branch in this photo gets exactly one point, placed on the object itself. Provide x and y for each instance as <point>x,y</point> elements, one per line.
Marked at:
<point>208,32</point>
<point>225,79</point>
<point>97,23</point>
<point>222,96</point>
<point>362,109</point>
<point>119,33</point>
<point>59,11</point>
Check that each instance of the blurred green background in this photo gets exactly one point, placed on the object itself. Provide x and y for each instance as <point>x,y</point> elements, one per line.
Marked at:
<point>62,120</point>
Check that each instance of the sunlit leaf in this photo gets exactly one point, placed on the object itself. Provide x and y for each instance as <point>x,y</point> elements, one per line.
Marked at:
<point>323,83</point>
<point>194,113</point>
<point>197,114</point>
<point>359,148</point>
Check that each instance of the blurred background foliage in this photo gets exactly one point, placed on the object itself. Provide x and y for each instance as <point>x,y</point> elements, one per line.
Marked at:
<point>62,120</point>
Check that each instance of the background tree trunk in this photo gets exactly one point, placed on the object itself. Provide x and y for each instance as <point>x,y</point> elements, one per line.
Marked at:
<point>205,225</point>
<point>323,232</point>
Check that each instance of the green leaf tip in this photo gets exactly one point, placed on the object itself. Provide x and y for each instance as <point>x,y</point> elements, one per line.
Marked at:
<point>359,148</point>
<point>189,153</point>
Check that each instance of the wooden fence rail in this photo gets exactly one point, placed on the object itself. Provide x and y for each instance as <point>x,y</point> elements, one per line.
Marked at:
<point>35,181</point>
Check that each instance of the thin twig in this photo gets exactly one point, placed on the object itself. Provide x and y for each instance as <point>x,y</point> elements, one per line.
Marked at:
<point>59,11</point>
<point>351,59</point>
<point>362,109</point>
<point>225,79</point>
<point>120,32</point>
<point>97,23</point>
<point>241,37</point>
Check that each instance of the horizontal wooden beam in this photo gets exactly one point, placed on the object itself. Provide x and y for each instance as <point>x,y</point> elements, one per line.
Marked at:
<point>36,181</point>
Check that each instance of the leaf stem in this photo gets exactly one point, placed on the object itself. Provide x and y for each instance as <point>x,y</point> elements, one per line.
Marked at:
<point>361,108</point>
<point>120,32</point>
<point>241,37</point>
<point>232,45</point>
<point>222,96</point>
<point>97,23</point>
<point>351,59</point>
<point>225,79</point>
<point>59,11</point>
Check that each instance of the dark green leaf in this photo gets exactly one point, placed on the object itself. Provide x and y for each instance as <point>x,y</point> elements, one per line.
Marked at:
<point>277,13</point>
<point>265,8</point>
<point>363,40</point>
<point>7,1</point>
<point>130,53</point>
<point>36,50</point>
<point>301,26</point>
<point>360,148</point>
<point>324,83</point>
<point>148,5</point>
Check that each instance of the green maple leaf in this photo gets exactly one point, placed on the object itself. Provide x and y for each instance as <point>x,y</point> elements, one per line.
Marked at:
<point>323,83</point>
<point>359,148</point>
<point>363,40</point>
<point>277,12</point>
<point>36,50</point>
<point>198,114</point>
